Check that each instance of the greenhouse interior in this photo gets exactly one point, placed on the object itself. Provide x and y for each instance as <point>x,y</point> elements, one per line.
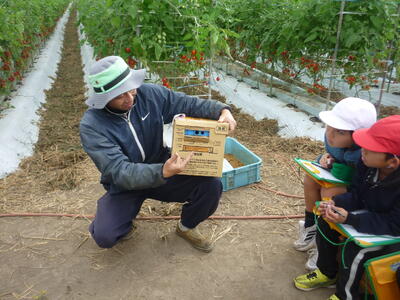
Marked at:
<point>280,117</point>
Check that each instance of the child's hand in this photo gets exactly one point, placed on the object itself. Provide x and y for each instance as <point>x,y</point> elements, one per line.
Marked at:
<point>335,214</point>
<point>323,206</point>
<point>326,161</point>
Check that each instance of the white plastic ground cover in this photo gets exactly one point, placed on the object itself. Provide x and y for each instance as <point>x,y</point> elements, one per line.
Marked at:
<point>18,125</point>
<point>388,98</point>
<point>291,123</point>
<point>88,59</point>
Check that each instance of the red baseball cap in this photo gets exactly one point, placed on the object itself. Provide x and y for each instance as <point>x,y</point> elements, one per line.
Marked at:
<point>383,136</point>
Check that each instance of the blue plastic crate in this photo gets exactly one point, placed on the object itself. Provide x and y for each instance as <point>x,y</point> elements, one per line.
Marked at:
<point>244,175</point>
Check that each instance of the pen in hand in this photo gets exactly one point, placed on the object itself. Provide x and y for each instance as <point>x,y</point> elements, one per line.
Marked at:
<point>336,211</point>
<point>320,166</point>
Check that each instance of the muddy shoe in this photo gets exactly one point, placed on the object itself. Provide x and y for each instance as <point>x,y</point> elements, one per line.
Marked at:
<point>194,237</point>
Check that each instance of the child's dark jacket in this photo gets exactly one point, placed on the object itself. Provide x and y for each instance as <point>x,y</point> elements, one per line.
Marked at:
<point>381,199</point>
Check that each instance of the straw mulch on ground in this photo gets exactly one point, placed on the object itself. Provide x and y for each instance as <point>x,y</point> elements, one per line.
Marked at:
<point>59,162</point>
<point>59,177</point>
<point>386,111</point>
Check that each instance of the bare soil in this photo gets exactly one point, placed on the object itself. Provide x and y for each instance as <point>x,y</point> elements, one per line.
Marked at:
<point>235,162</point>
<point>55,258</point>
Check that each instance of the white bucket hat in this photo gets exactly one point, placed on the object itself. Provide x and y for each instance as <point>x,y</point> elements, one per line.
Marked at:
<point>111,77</point>
<point>350,114</point>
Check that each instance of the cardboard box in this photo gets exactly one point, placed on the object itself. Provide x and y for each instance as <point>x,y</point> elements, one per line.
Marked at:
<point>206,138</point>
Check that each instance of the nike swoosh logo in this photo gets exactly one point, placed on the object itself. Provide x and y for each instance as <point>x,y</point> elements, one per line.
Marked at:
<point>144,118</point>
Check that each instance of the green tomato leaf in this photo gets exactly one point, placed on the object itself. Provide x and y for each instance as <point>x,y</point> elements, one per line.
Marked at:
<point>376,21</point>
<point>158,51</point>
<point>311,37</point>
<point>168,23</point>
<point>116,21</point>
<point>214,37</point>
<point>187,36</point>
<point>132,12</point>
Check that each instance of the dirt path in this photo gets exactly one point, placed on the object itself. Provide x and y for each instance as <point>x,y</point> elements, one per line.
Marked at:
<point>55,258</point>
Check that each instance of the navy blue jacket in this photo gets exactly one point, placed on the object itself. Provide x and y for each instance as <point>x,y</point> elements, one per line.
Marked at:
<point>129,152</point>
<point>381,200</point>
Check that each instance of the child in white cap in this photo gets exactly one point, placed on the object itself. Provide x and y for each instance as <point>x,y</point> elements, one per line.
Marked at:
<point>346,116</point>
<point>371,207</point>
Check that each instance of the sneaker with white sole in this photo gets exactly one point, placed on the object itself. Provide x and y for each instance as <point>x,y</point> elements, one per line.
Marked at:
<point>306,238</point>
<point>311,263</point>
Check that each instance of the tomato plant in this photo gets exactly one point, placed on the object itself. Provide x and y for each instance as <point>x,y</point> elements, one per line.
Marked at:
<point>24,26</point>
<point>182,33</point>
<point>281,32</point>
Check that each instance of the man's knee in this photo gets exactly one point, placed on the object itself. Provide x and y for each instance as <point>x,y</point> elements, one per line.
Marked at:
<point>212,185</point>
<point>103,238</point>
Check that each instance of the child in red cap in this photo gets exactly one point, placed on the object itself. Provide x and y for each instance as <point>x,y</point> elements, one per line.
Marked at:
<point>377,190</point>
<point>346,116</point>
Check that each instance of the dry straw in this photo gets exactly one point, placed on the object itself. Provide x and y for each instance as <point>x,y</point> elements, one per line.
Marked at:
<point>60,178</point>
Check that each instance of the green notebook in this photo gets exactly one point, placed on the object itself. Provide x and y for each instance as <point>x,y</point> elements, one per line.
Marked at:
<point>318,172</point>
<point>365,239</point>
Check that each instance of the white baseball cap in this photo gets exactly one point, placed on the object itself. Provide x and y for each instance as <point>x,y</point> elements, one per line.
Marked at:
<point>350,114</point>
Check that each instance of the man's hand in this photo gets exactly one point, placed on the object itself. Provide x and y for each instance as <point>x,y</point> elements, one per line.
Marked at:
<point>175,164</point>
<point>226,117</point>
<point>326,161</point>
